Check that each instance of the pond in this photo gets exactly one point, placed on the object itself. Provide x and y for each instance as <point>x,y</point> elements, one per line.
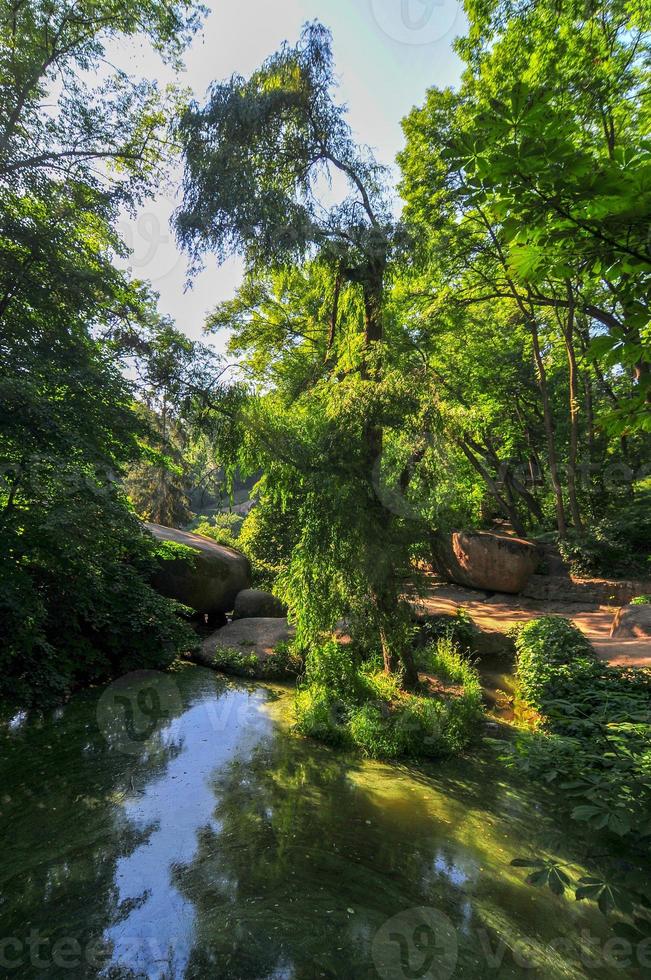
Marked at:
<point>169,826</point>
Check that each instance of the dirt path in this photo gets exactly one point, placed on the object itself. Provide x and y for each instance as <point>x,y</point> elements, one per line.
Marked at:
<point>498,612</point>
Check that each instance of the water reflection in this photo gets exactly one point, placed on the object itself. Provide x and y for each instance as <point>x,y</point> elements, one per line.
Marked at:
<point>227,848</point>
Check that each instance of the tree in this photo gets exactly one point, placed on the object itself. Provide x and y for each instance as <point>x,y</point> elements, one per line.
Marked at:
<point>176,379</point>
<point>528,191</point>
<point>257,158</point>
<point>112,135</point>
<point>75,603</point>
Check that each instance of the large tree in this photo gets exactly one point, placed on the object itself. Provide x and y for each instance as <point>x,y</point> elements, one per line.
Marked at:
<point>273,173</point>
<point>529,189</point>
<point>75,604</point>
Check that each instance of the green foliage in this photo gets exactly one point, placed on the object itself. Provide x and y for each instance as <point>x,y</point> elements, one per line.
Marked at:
<point>266,538</point>
<point>223,528</point>
<point>65,133</point>
<point>77,610</point>
<point>551,653</point>
<point>75,603</point>
<point>175,551</point>
<point>526,191</point>
<point>254,157</point>
<point>595,748</point>
<point>618,544</point>
<point>641,600</point>
<point>459,629</point>
<point>356,705</point>
<point>257,157</point>
<point>282,664</point>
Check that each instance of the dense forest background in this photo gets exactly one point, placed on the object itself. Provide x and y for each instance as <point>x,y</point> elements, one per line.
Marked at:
<point>480,352</point>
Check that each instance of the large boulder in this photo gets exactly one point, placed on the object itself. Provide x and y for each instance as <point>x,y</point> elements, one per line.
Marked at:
<point>481,560</point>
<point>209,581</point>
<point>254,604</point>
<point>260,636</point>
<point>632,621</point>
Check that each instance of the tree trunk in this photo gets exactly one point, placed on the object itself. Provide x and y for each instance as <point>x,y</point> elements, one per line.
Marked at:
<point>568,334</point>
<point>549,430</point>
<point>397,657</point>
<point>401,662</point>
<point>507,509</point>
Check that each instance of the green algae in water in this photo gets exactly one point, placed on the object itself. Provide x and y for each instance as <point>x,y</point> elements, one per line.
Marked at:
<point>218,845</point>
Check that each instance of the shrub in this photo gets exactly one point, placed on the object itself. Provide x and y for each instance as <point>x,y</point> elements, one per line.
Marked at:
<point>266,538</point>
<point>320,714</point>
<point>595,739</point>
<point>223,528</point>
<point>618,545</point>
<point>460,628</point>
<point>330,665</point>
<point>550,651</point>
<point>641,600</point>
<point>362,707</point>
<point>175,551</point>
<point>79,610</point>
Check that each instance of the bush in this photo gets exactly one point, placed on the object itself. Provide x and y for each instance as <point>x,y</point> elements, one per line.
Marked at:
<point>81,611</point>
<point>223,528</point>
<point>364,708</point>
<point>641,600</point>
<point>321,714</point>
<point>595,740</point>
<point>618,545</point>
<point>460,629</point>
<point>551,651</point>
<point>266,538</point>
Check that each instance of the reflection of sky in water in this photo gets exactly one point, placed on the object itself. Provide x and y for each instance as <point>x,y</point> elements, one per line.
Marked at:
<point>157,933</point>
<point>229,848</point>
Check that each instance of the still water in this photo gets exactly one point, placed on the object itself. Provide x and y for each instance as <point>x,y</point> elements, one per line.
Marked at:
<point>169,826</point>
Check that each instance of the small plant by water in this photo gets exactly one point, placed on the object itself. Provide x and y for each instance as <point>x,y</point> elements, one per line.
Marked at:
<point>364,708</point>
<point>283,663</point>
<point>593,746</point>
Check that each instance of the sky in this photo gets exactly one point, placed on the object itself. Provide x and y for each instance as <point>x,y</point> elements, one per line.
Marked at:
<point>387,54</point>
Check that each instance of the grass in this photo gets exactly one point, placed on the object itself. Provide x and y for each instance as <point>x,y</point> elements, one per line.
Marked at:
<point>282,664</point>
<point>376,717</point>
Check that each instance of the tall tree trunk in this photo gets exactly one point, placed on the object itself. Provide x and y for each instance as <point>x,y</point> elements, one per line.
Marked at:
<point>568,333</point>
<point>398,658</point>
<point>549,429</point>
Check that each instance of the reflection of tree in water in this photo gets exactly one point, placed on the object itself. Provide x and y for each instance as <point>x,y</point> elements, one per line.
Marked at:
<point>64,827</point>
<point>298,845</point>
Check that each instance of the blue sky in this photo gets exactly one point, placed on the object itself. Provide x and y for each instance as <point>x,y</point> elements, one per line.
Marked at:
<point>387,53</point>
